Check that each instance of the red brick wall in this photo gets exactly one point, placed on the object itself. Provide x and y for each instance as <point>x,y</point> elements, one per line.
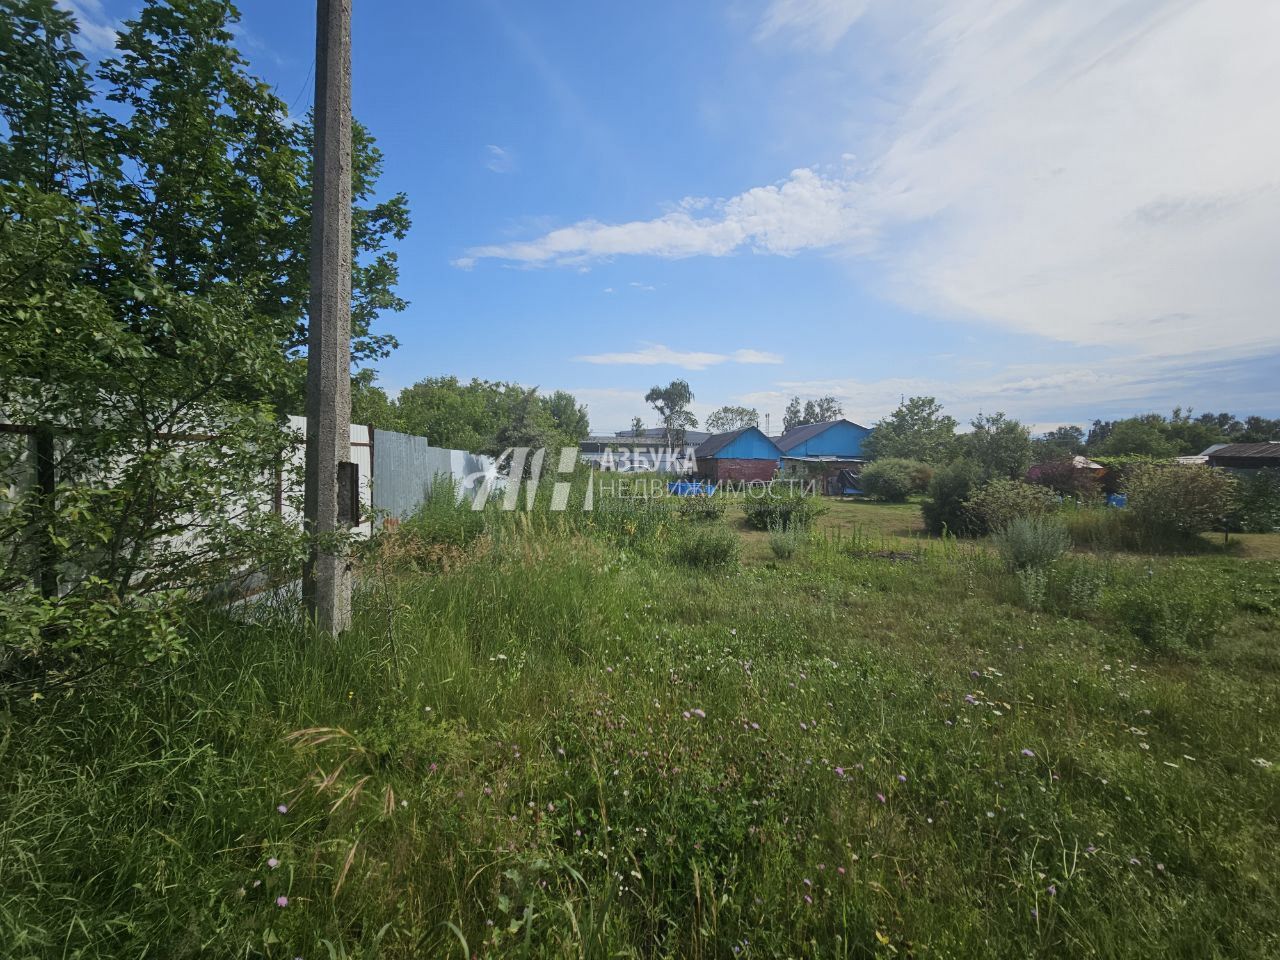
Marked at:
<point>736,470</point>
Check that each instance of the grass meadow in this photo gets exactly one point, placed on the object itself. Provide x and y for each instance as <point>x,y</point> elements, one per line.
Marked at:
<point>550,740</point>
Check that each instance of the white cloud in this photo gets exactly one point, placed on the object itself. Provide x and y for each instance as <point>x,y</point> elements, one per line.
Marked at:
<point>1099,173</point>
<point>97,30</point>
<point>807,210</point>
<point>1103,173</point>
<point>498,159</point>
<point>820,22</point>
<point>657,354</point>
<point>1036,393</point>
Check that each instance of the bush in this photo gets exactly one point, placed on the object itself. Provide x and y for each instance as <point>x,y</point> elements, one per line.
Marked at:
<point>1257,501</point>
<point>785,541</point>
<point>783,512</point>
<point>701,507</point>
<point>998,503</point>
<point>1169,610</point>
<point>945,507</point>
<point>1171,502</point>
<point>1116,470</point>
<point>1064,477</point>
<point>894,479</point>
<point>1034,541</point>
<point>706,547</point>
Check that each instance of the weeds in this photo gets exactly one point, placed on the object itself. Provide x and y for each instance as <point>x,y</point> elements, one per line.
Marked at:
<point>1031,542</point>
<point>786,541</point>
<point>585,751</point>
<point>707,547</point>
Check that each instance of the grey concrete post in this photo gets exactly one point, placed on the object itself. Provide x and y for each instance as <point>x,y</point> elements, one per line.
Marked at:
<point>326,583</point>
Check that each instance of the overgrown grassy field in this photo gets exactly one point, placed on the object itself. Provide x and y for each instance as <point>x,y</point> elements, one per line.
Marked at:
<point>563,744</point>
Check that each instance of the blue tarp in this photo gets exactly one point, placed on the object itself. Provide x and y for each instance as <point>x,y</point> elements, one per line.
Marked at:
<point>690,488</point>
<point>1117,500</point>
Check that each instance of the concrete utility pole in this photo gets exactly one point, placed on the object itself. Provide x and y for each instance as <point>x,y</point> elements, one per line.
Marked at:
<point>326,583</point>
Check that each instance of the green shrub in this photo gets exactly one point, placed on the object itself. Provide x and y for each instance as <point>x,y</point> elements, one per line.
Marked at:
<point>999,502</point>
<point>894,479</point>
<point>1065,478</point>
<point>1257,501</point>
<point>701,507</point>
<point>945,507</point>
<point>1033,541</point>
<point>1167,610</point>
<point>1172,502</point>
<point>1116,470</point>
<point>782,511</point>
<point>786,541</point>
<point>705,547</point>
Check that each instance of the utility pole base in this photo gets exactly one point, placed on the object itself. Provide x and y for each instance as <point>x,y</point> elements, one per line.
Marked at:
<point>328,591</point>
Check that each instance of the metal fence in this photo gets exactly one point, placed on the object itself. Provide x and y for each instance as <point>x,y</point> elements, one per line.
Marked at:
<point>404,467</point>
<point>397,470</point>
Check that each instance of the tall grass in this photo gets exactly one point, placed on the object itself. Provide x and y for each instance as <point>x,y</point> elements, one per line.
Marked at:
<point>565,746</point>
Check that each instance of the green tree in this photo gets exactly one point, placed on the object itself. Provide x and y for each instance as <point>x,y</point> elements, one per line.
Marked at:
<point>54,136</point>
<point>1000,445</point>
<point>452,414</point>
<point>732,418</point>
<point>1143,436</point>
<point>1258,430</point>
<point>637,426</point>
<point>525,422</point>
<point>822,410</point>
<point>917,430</point>
<point>793,416</point>
<point>370,404</point>
<point>672,403</point>
<point>487,416</point>
<point>195,172</point>
<point>165,469</point>
<point>153,265</point>
<point>1189,435</point>
<point>570,417</point>
<point>1058,444</point>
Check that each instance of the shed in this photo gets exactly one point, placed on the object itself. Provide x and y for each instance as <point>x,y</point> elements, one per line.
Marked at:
<point>745,454</point>
<point>1247,456</point>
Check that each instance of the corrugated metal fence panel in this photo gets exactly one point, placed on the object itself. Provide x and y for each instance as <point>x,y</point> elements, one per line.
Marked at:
<point>400,469</point>
<point>404,468</point>
<point>396,471</point>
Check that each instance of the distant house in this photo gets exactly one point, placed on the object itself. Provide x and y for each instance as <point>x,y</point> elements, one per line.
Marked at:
<point>1246,456</point>
<point>745,454</point>
<point>841,439</point>
<point>830,452</point>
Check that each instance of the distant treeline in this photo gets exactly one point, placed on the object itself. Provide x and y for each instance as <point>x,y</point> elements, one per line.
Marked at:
<point>919,430</point>
<point>483,416</point>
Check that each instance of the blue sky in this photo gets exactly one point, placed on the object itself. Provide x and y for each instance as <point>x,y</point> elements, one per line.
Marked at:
<point>1056,209</point>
